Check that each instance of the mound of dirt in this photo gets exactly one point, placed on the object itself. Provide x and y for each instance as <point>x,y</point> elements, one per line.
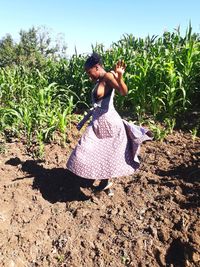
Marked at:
<point>49,217</point>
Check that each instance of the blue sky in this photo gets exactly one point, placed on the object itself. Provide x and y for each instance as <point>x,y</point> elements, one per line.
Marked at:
<point>86,22</point>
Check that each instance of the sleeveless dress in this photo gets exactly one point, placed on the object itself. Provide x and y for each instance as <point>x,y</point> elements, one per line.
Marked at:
<point>109,146</point>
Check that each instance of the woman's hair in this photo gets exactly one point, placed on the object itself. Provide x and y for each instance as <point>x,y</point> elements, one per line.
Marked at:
<point>93,60</point>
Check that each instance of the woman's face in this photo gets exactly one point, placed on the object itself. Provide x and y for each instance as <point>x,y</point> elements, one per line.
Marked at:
<point>93,72</point>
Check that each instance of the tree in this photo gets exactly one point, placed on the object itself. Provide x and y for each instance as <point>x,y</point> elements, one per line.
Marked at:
<point>7,51</point>
<point>33,49</point>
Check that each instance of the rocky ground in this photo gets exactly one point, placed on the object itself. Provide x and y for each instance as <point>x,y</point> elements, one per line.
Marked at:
<point>48,217</point>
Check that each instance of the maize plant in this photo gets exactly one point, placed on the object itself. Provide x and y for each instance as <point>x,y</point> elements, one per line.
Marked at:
<point>162,74</point>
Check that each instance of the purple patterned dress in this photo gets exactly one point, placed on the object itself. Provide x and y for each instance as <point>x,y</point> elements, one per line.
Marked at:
<point>109,147</point>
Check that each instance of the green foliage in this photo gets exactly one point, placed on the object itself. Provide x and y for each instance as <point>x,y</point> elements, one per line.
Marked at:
<point>32,50</point>
<point>7,51</point>
<point>162,73</point>
<point>194,133</point>
<point>40,89</point>
<point>31,108</point>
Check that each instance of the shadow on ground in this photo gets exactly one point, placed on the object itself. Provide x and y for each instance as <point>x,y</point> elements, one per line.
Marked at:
<point>56,184</point>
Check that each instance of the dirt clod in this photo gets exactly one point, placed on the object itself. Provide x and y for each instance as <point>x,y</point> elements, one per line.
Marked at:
<point>49,217</point>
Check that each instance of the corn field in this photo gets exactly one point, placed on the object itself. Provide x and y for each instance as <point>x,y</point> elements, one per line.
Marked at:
<point>162,74</point>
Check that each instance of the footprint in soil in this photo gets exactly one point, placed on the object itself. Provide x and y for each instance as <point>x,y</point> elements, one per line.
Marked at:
<point>56,184</point>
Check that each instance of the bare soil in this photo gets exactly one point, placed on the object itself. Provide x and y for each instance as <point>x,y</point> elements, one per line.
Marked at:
<point>49,217</point>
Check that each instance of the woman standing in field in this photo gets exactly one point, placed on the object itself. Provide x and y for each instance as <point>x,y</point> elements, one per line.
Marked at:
<point>109,147</point>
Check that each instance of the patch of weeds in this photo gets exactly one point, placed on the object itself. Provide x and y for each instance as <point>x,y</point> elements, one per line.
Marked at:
<point>60,258</point>
<point>63,258</point>
<point>194,132</point>
<point>125,259</point>
<point>159,132</point>
<point>36,151</point>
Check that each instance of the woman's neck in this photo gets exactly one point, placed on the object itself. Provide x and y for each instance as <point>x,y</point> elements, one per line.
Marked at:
<point>102,74</point>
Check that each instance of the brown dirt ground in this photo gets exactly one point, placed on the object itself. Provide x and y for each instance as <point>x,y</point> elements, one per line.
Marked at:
<point>48,217</point>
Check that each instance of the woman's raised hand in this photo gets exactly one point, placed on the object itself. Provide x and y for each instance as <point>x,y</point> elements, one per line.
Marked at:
<point>119,69</point>
<point>116,80</point>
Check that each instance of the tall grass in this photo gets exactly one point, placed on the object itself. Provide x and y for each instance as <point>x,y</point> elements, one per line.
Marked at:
<point>162,74</point>
<point>32,109</point>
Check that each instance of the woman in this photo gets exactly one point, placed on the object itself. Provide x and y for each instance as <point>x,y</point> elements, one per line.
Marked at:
<point>109,146</point>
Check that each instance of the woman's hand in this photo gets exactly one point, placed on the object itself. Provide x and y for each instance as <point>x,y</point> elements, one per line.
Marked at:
<point>115,80</point>
<point>119,70</point>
